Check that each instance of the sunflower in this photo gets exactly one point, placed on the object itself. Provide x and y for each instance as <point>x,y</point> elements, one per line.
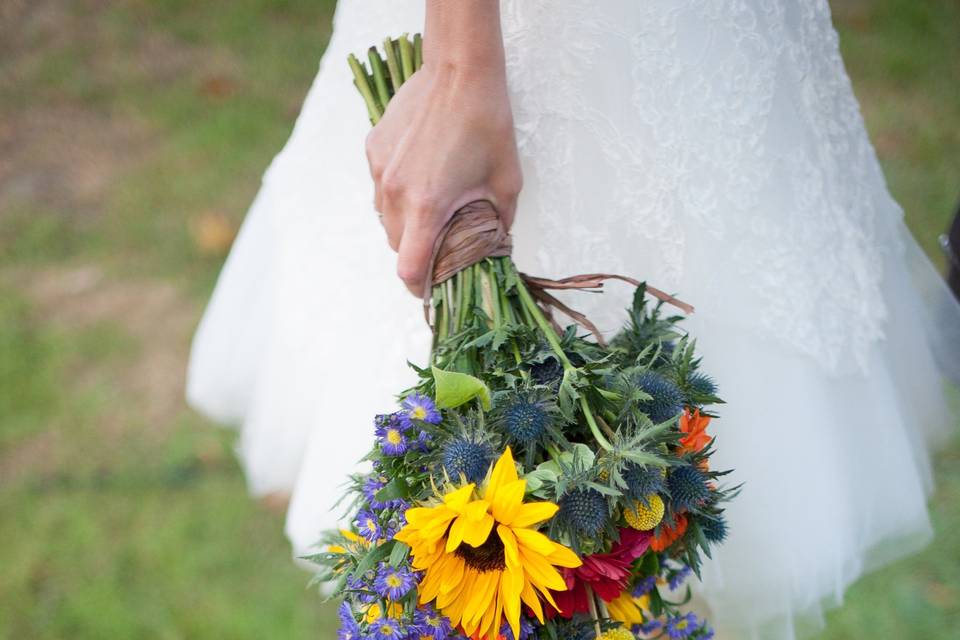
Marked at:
<point>482,556</point>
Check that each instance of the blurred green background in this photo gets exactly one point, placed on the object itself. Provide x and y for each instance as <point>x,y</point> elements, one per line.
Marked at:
<point>133,135</point>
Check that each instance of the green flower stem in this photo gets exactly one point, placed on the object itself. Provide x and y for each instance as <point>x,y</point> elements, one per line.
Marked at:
<point>379,77</point>
<point>361,80</point>
<point>592,605</point>
<point>554,341</point>
<point>393,65</point>
<point>592,423</point>
<point>406,57</point>
<point>544,325</point>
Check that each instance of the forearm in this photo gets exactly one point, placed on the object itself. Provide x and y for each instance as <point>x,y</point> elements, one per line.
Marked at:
<point>464,36</point>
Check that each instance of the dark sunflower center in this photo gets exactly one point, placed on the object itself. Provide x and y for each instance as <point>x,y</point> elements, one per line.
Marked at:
<point>487,557</point>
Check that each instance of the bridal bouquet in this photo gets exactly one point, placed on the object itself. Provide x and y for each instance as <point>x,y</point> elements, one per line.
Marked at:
<point>536,483</point>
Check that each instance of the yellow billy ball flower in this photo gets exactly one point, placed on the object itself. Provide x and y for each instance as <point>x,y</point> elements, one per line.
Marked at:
<point>620,633</point>
<point>482,555</point>
<point>644,517</point>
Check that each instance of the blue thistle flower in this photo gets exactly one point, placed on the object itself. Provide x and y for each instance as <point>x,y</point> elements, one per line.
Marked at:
<point>524,420</point>
<point>431,624</point>
<point>393,583</point>
<point>417,407</point>
<point>387,629</point>
<point>643,481</point>
<point>368,525</point>
<point>349,629</point>
<point>714,529</point>
<point>584,510</point>
<point>702,385</point>
<point>687,486</point>
<point>390,431</point>
<point>666,399</point>
<point>468,457</point>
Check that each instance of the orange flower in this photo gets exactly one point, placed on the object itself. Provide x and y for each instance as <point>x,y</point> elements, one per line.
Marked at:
<point>695,427</point>
<point>667,534</point>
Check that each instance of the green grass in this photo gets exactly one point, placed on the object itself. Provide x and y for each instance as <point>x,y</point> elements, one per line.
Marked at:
<point>123,514</point>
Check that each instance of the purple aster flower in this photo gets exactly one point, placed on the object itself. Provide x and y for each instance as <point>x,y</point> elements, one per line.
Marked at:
<point>392,582</point>
<point>361,585</point>
<point>648,627</point>
<point>393,439</point>
<point>387,629</point>
<point>432,624</point>
<point>349,629</point>
<point>423,442</point>
<point>526,630</point>
<point>645,586</point>
<point>368,525</point>
<point>371,485</point>
<point>684,626</point>
<point>678,578</point>
<point>421,408</point>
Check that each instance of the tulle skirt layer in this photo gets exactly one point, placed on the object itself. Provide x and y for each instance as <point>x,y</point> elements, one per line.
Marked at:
<point>826,354</point>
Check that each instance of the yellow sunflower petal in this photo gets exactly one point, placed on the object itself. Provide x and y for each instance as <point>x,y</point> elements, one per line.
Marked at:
<point>503,472</point>
<point>529,598</point>
<point>564,557</point>
<point>507,502</point>
<point>511,551</point>
<point>535,540</point>
<point>478,532</point>
<point>511,586</point>
<point>455,535</point>
<point>532,513</point>
<point>540,571</point>
<point>459,498</point>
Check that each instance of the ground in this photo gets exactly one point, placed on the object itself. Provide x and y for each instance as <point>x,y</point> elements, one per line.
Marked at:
<point>133,134</point>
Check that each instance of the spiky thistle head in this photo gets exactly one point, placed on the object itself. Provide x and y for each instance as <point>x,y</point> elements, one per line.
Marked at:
<point>525,417</point>
<point>714,528</point>
<point>700,384</point>
<point>687,486</point>
<point>464,457</point>
<point>469,450</point>
<point>584,510</point>
<point>666,399</point>
<point>643,480</point>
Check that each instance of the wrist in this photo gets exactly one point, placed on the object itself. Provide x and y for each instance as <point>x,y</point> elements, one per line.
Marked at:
<point>462,38</point>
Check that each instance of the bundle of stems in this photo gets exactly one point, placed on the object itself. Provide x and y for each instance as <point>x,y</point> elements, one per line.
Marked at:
<point>489,299</point>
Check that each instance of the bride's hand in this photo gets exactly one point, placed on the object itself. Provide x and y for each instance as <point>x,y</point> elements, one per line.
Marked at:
<point>445,140</point>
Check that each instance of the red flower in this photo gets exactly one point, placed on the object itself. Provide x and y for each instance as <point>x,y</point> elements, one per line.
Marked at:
<point>605,573</point>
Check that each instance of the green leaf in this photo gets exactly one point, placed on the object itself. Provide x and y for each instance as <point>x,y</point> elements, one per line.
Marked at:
<point>396,488</point>
<point>455,389</point>
<point>583,455</point>
<point>399,553</point>
<point>375,555</point>
<point>569,395</point>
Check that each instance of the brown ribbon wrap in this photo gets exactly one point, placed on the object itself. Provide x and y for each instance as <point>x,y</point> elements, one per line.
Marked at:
<point>476,232</point>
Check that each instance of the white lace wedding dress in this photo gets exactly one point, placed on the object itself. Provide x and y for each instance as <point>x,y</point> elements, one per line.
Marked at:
<point>714,148</point>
